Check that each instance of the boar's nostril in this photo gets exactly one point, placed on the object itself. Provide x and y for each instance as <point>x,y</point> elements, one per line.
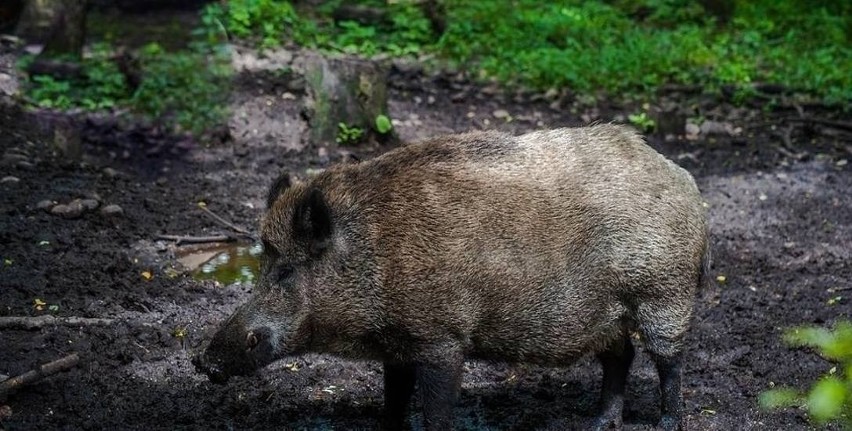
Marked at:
<point>213,372</point>
<point>218,377</point>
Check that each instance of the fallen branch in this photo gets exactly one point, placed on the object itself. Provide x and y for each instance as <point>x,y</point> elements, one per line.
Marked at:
<point>180,239</point>
<point>12,384</point>
<point>226,223</point>
<point>30,323</point>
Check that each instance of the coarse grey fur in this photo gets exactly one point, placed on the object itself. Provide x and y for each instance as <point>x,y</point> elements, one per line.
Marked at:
<point>539,248</point>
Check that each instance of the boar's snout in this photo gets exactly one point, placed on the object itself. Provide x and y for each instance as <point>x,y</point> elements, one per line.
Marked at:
<point>213,371</point>
<point>235,352</point>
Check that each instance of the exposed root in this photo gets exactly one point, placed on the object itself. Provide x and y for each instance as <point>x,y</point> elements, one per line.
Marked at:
<point>14,383</point>
<point>219,219</point>
<point>181,239</point>
<point>30,323</point>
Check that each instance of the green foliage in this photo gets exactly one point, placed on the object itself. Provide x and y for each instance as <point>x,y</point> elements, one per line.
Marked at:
<point>383,124</point>
<point>407,34</point>
<point>100,86</point>
<point>830,398</point>
<point>348,135</point>
<point>642,121</point>
<point>267,21</point>
<point>620,46</point>
<point>186,88</point>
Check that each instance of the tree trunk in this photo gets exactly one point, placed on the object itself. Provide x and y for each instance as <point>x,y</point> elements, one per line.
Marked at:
<point>436,13</point>
<point>63,49</point>
<point>722,10</point>
<point>346,95</point>
<point>69,31</point>
<point>10,11</point>
<point>36,20</point>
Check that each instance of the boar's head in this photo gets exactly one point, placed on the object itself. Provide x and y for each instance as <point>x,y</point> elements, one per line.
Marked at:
<point>297,233</point>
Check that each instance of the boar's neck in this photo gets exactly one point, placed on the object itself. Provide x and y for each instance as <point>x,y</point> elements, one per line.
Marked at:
<point>345,304</point>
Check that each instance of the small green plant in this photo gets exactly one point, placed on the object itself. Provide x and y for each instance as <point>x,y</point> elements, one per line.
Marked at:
<point>830,398</point>
<point>383,124</point>
<point>267,21</point>
<point>642,121</point>
<point>186,88</point>
<point>99,86</point>
<point>348,135</point>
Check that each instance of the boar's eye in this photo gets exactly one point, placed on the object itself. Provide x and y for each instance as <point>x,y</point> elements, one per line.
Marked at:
<point>251,340</point>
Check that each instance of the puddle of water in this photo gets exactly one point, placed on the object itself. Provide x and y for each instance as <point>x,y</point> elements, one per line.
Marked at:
<point>238,263</point>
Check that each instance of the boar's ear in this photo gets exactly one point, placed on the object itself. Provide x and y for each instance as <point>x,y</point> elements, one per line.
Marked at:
<point>312,221</point>
<point>281,183</point>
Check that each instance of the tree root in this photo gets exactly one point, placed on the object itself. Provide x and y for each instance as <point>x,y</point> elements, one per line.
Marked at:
<point>14,383</point>
<point>30,323</point>
<point>181,239</point>
<point>221,220</point>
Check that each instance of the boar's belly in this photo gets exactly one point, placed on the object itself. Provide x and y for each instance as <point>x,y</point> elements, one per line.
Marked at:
<point>537,336</point>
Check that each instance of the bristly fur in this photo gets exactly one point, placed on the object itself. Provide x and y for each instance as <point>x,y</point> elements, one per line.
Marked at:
<point>538,248</point>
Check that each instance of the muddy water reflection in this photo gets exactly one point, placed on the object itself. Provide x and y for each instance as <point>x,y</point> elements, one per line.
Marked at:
<point>235,264</point>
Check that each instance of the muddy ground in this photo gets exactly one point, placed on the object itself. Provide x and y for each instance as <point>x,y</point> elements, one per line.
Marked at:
<point>779,196</point>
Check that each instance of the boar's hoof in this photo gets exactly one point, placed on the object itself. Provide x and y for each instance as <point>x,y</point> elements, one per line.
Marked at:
<point>606,422</point>
<point>669,423</point>
<point>213,372</point>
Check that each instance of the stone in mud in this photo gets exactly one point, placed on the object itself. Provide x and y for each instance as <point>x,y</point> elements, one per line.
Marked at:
<point>72,210</point>
<point>46,205</point>
<point>112,210</point>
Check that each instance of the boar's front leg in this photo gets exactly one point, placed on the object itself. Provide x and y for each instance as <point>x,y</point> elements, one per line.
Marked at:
<point>616,362</point>
<point>399,386</point>
<point>440,381</point>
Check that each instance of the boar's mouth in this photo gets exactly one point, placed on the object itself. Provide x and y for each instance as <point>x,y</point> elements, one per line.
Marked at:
<point>218,372</point>
<point>223,359</point>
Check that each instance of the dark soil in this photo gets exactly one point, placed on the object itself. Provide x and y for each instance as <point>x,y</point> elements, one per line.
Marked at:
<point>779,196</point>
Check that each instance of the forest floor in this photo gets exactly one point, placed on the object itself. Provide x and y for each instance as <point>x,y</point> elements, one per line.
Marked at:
<point>778,188</point>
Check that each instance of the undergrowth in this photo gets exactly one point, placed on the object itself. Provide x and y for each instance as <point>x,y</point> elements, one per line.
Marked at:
<point>185,90</point>
<point>620,47</point>
<point>623,48</point>
<point>829,398</point>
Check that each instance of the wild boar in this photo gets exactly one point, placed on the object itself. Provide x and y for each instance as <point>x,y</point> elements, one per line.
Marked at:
<point>539,249</point>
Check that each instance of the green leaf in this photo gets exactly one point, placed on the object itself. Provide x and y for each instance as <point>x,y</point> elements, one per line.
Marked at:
<point>383,124</point>
<point>825,401</point>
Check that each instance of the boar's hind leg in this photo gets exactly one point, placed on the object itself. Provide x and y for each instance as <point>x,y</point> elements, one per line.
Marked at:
<point>616,362</point>
<point>669,370</point>
<point>664,328</point>
<point>439,384</point>
<point>399,386</point>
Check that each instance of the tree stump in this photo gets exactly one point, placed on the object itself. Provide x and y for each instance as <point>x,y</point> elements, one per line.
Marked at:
<point>346,96</point>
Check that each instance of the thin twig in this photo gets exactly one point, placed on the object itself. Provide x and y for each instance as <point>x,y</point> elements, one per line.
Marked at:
<point>224,222</point>
<point>12,384</point>
<point>37,322</point>
<point>181,239</point>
